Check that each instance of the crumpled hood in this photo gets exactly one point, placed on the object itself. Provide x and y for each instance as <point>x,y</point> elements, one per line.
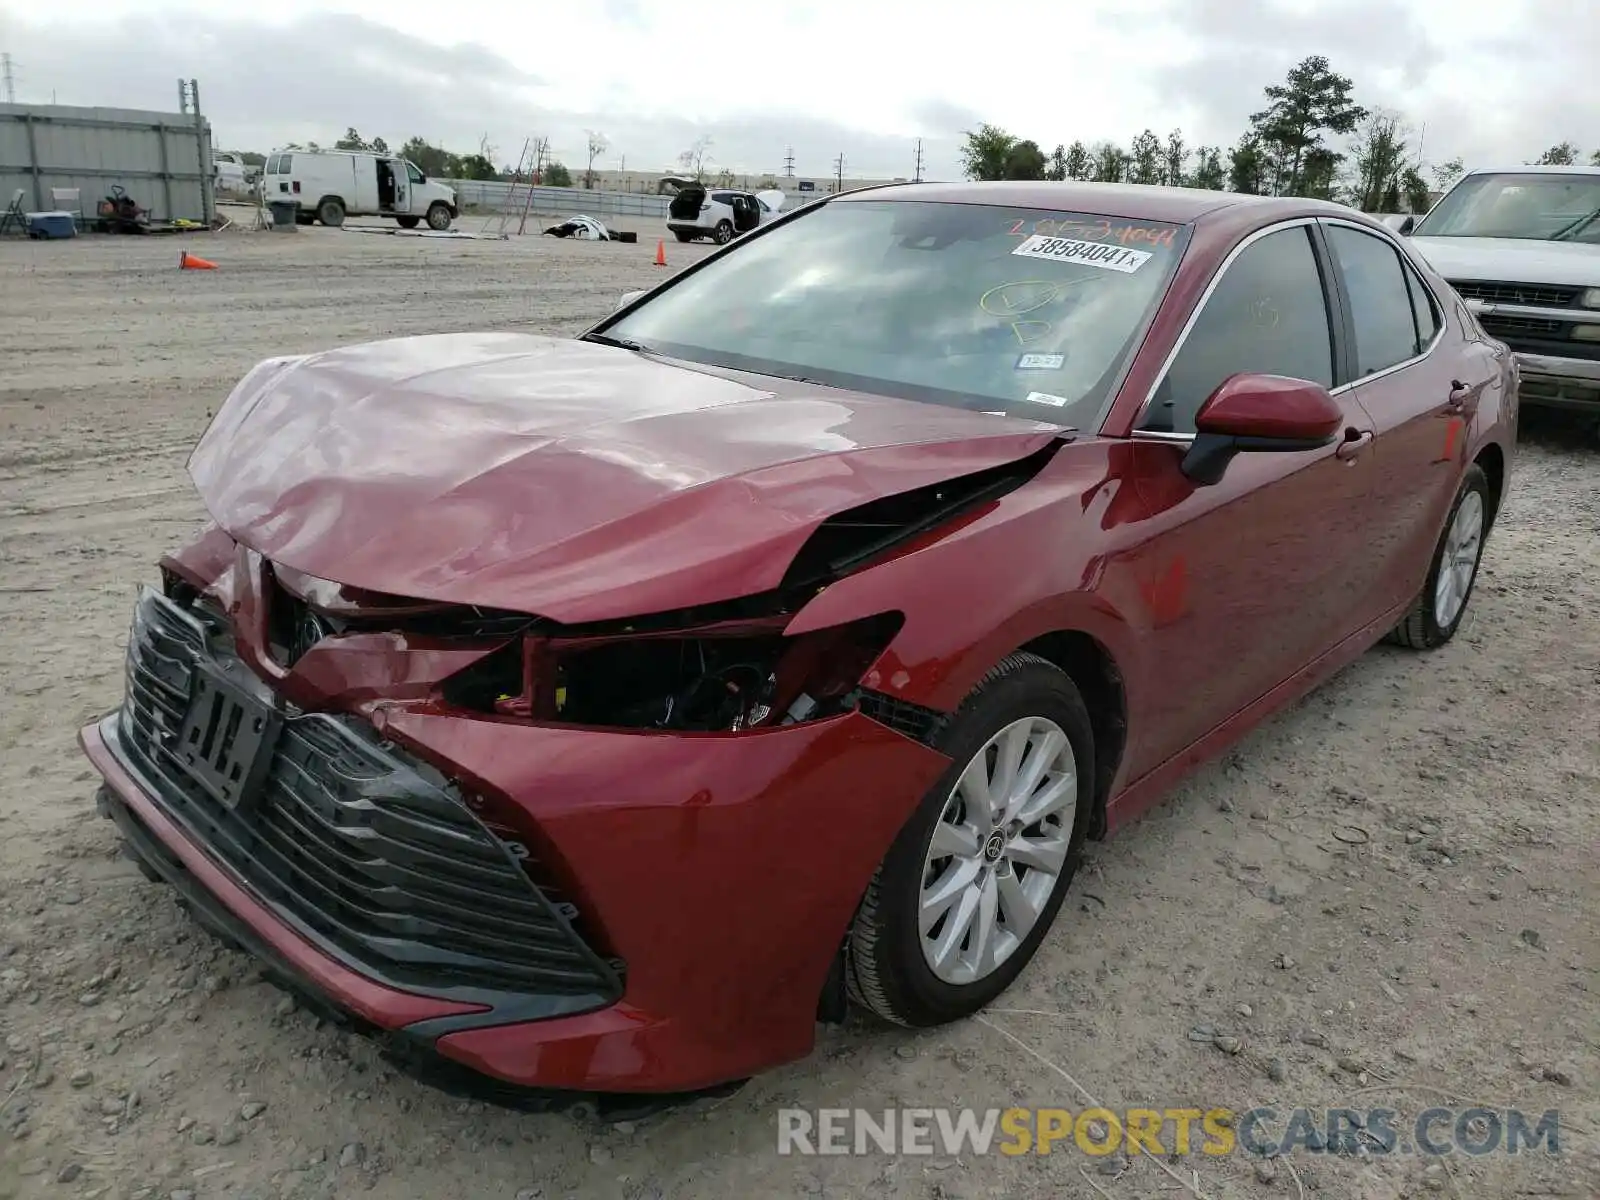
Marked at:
<point>1512,260</point>
<point>571,480</point>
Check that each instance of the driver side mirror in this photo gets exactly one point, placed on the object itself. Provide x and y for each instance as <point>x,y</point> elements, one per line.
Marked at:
<point>1406,226</point>
<point>1259,413</point>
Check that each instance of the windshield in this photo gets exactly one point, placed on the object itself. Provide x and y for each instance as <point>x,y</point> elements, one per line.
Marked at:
<point>1531,206</point>
<point>1024,312</point>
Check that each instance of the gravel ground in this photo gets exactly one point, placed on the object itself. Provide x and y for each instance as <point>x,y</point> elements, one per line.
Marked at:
<point>1234,949</point>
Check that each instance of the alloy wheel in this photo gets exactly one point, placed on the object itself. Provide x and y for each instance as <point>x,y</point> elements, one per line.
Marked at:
<point>1459,562</point>
<point>997,850</point>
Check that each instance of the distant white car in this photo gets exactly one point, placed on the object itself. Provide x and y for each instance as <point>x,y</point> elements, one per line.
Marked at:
<point>721,214</point>
<point>229,174</point>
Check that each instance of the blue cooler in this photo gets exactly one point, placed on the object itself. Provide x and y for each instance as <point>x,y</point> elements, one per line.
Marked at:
<point>52,225</point>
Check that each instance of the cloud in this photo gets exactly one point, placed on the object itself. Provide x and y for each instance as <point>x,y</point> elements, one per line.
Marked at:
<point>1490,79</point>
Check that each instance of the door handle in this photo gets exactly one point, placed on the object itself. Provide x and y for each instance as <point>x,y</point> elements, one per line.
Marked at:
<point>1354,444</point>
<point>1460,393</point>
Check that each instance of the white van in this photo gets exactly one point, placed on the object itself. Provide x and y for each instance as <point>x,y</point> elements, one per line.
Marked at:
<point>330,185</point>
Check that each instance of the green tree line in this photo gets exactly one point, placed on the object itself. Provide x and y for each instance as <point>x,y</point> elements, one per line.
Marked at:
<point>1288,149</point>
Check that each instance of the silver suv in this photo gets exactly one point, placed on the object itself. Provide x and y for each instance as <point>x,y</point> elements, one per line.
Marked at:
<point>1522,247</point>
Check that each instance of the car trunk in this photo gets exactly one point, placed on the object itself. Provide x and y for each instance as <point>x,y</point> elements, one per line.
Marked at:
<point>686,204</point>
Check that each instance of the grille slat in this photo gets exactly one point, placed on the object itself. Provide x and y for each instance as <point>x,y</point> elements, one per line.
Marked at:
<point>353,843</point>
<point>1530,295</point>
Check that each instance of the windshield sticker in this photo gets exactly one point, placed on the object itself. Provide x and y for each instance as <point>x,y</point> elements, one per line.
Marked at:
<point>1047,398</point>
<point>1090,254</point>
<point>1041,362</point>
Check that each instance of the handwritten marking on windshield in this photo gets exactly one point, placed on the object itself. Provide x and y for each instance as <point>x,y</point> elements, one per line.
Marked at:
<point>1030,331</point>
<point>1101,230</point>
<point>1018,297</point>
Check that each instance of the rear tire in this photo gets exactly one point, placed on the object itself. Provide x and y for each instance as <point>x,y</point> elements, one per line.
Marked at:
<point>893,967</point>
<point>439,217</point>
<point>682,236</point>
<point>1447,591</point>
<point>331,212</point>
<point>408,222</point>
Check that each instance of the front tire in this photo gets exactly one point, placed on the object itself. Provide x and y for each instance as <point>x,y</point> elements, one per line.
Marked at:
<point>439,216</point>
<point>971,885</point>
<point>1442,605</point>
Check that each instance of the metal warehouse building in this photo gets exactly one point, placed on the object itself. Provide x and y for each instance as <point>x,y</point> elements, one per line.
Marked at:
<point>162,160</point>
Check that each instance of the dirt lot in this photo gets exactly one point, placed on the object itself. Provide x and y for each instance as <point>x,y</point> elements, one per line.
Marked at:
<point>1230,951</point>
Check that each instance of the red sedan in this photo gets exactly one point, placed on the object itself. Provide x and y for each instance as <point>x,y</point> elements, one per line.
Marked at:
<point>597,714</point>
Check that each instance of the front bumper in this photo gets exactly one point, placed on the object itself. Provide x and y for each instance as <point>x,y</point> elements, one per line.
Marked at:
<point>1550,381</point>
<point>719,872</point>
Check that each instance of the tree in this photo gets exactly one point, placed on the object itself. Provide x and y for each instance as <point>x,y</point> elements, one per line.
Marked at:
<point>1175,160</point>
<point>1108,163</point>
<point>1594,159</point>
<point>1378,156</point>
<point>1057,169</point>
<point>596,147</point>
<point>351,141</point>
<point>1447,172</point>
<point>1562,154</point>
<point>1079,163</point>
<point>1209,173</point>
<point>1312,101</point>
<point>475,166</point>
<point>379,146</point>
<point>1144,159</point>
<point>693,160</point>
<point>985,153</point>
<point>556,175</point>
<point>1025,161</point>
<point>432,160</point>
<point>1247,167</point>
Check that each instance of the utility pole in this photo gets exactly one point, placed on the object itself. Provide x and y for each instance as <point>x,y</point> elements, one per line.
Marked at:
<point>788,164</point>
<point>10,79</point>
<point>917,178</point>
<point>838,173</point>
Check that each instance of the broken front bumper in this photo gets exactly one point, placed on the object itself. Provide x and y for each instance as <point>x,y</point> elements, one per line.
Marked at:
<point>715,875</point>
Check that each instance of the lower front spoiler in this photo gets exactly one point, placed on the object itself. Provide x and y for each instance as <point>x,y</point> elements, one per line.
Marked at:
<point>411,1052</point>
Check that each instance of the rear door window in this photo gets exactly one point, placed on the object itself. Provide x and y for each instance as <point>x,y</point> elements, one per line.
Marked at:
<point>1380,299</point>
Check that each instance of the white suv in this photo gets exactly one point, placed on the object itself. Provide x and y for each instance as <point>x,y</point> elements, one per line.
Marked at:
<point>721,214</point>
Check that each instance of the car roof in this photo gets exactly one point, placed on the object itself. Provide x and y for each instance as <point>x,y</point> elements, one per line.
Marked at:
<point>1528,169</point>
<point>1139,202</point>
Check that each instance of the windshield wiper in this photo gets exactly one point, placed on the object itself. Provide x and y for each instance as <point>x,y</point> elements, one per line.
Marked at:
<point>1573,228</point>
<point>605,339</point>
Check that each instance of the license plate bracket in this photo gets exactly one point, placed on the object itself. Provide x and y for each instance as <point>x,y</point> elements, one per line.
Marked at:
<point>227,738</point>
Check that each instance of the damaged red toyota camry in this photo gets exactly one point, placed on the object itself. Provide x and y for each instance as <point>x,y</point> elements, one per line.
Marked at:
<point>598,714</point>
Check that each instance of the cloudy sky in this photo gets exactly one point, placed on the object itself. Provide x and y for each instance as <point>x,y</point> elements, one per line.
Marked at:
<point>1489,79</point>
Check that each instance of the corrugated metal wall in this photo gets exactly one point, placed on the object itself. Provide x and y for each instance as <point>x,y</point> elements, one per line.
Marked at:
<point>163,160</point>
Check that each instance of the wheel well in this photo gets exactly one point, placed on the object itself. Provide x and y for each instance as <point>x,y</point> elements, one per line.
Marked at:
<point>1493,461</point>
<point>330,196</point>
<point>1095,673</point>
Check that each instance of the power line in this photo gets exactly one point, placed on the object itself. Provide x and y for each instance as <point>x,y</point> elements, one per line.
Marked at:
<point>788,163</point>
<point>918,177</point>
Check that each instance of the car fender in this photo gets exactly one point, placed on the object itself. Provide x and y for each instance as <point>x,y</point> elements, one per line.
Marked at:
<point>985,590</point>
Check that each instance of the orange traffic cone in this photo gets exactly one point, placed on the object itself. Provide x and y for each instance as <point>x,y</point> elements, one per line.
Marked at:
<point>193,262</point>
<point>661,252</point>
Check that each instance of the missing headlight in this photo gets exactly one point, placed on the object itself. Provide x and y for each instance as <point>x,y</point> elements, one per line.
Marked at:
<point>724,678</point>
